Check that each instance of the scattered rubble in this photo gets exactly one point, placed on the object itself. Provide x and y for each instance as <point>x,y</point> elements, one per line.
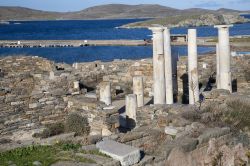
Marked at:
<point>35,93</point>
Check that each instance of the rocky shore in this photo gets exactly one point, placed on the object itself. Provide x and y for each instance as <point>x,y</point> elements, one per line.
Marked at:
<point>191,21</point>
<point>36,93</point>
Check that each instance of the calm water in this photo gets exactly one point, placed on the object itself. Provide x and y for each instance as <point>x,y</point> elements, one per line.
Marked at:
<point>87,54</point>
<point>96,30</point>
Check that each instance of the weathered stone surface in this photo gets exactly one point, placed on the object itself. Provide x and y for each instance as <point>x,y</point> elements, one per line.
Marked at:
<point>213,133</point>
<point>146,160</point>
<point>50,101</point>
<point>171,130</point>
<point>127,155</point>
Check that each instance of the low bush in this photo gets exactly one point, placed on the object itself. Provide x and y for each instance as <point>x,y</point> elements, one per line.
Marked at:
<point>247,75</point>
<point>51,130</point>
<point>238,114</point>
<point>191,115</point>
<point>78,124</point>
<point>74,123</point>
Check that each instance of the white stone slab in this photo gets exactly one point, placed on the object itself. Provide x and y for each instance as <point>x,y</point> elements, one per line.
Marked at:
<point>127,155</point>
<point>171,130</point>
<point>109,108</point>
<point>91,95</point>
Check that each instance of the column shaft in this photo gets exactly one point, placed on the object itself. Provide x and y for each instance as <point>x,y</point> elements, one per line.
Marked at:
<point>217,66</point>
<point>138,90</point>
<point>168,67</point>
<point>76,85</point>
<point>131,106</point>
<point>158,66</point>
<point>105,93</point>
<point>193,67</point>
<point>224,58</point>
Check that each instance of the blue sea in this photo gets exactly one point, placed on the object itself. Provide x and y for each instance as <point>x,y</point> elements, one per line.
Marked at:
<point>95,30</point>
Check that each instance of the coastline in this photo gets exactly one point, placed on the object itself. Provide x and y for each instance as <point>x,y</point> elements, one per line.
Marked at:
<point>190,21</point>
<point>90,19</point>
<point>127,26</point>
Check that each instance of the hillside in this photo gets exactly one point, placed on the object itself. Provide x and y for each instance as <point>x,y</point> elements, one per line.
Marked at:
<point>190,20</point>
<point>20,13</point>
<point>110,11</point>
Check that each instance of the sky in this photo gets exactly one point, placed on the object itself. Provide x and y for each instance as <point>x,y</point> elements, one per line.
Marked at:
<point>76,5</point>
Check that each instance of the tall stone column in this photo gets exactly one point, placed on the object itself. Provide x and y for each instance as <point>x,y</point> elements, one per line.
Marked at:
<point>168,67</point>
<point>75,65</point>
<point>138,90</point>
<point>76,85</point>
<point>217,66</point>
<point>174,73</point>
<point>51,75</point>
<point>224,57</point>
<point>158,66</point>
<point>105,93</point>
<point>131,106</point>
<point>193,67</point>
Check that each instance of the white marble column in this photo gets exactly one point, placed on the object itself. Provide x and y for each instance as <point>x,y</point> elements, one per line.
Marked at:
<point>217,66</point>
<point>168,67</point>
<point>131,106</point>
<point>193,67</point>
<point>224,57</point>
<point>105,93</point>
<point>174,73</point>
<point>75,65</point>
<point>138,90</point>
<point>51,75</point>
<point>158,66</point>
<point>76,85</point>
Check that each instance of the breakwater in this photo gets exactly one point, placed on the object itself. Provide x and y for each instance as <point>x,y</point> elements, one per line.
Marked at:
<point>84,43</point>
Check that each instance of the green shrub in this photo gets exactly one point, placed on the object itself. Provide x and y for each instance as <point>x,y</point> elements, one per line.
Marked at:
<point>46,155</point>
<point>68,146</point>
<point>78,124</point>
<point>27,155</point>
<point>51,130</point>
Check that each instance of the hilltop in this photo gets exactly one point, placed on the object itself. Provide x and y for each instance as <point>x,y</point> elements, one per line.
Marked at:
<point>110,11</point>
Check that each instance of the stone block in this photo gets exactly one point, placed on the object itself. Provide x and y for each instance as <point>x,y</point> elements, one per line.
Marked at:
<point>127,155</point>
<point>171,130</point>
<point>16,103</point>
<point>34,105</point>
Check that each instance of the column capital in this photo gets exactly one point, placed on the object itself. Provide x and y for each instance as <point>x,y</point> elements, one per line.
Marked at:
<point>223,26</point>
<point>156,29</point>
<point>192,30</point>
<point>166,28</point>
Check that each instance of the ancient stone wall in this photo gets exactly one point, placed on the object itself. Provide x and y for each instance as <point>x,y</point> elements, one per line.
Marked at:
<point>36,92</point>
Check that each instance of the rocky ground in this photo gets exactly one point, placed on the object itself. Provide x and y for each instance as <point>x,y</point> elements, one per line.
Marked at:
<point>40,106</point>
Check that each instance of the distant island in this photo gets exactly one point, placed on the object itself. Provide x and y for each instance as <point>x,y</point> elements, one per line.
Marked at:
<point>191,20</point>
<point>158,15</point>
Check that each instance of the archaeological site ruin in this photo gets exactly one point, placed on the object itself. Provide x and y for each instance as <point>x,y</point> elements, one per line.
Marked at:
<point>172,111</point>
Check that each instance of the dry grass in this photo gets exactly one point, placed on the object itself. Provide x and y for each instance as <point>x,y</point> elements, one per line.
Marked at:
<point>238,113</point>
